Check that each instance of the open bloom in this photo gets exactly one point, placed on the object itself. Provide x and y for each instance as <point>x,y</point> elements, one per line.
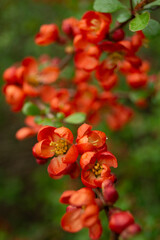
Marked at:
<point>87,54</point>
<point>56,143</point>
<point>88,140</point>
<point>96,168</point>
<point>48,34</point>
<point>81,212</point>
<point>94,25</point>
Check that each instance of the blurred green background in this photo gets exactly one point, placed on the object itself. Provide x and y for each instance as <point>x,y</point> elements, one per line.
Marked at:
<point>29,199</point>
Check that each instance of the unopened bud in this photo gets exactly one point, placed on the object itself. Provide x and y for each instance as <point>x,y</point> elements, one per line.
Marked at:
<point>118,35</point>
<point>131,231</point>
<point>110,194</point>
<point>120,221</point>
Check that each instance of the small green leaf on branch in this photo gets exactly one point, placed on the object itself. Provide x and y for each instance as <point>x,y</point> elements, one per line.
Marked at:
<point>107,6</point>
<point>152,4</point>
<point>123,16</point>
<point>139,22</point>
<point>76,118</point>
<point>153,29</point>
<point>31,109</point>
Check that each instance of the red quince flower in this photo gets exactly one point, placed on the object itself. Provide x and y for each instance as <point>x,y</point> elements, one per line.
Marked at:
<point>33,76</point>
<point>70,26</point>
<point>15,97</point>
<point>137,80</point>
<point>88,140</point>
<point>56,142</point>
<point>96,168</point>
<point>87,54</point>
<point>47,93</point>
<point>81,76</point>
<point>48,34</point>
<point>61,102</point>
<point>30,130</point>
<point>119,116</point>
<point>95,26</point>
<point>82,212</point>
<point>105,74</point>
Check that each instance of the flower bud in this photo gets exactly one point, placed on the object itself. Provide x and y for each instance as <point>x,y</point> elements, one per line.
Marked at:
<point>9,74</point>
<point>109,192</point>
<point>131,231</point>
<point>70,208</point>
<point>120,221</point>
<point>118,35</point>
<point>41,161</point>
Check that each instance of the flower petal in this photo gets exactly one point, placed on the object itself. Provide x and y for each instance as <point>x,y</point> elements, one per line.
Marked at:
<point>43,149</point>
<point>71,221</point>
<point>66,196</point>
<point>57,167</point>
<point>46,132</point>
<point>72,155</point>
<point>90,215</point>
<point>83,130</point>
<point>88,179</point>
<point>95,231</point>
<point>84,196</point>
<point>107,158</point>
<point>65,133</point>
<point>87,160</point>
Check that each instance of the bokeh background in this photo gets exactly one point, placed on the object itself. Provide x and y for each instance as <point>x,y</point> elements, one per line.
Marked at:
<point>29,199</point>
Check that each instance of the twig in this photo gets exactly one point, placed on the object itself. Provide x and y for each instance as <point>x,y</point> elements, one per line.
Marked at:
<point>132,9</point>
<point>65,61</point>
<point>113,235</point>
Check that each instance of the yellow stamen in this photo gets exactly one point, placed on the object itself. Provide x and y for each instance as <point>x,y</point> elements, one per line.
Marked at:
<point>97,169</point>
<point>60,147</point>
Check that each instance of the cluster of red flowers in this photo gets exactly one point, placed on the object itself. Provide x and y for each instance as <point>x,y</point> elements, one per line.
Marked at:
<point>95,163</point>
<point>91,41</point>
<point>99,54</point>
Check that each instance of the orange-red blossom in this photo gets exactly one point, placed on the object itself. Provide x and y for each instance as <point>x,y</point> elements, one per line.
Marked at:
<point>81,212</point>
<point>56,143</point>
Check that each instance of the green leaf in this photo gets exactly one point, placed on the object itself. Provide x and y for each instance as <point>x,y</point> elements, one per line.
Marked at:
<point>138,95</point>
<point>107,6</point>
<point>124,16</point>
<point>152,30</point>
<point>38,119</point>
<point>44,121</point>
<point>76,118</point>
<point>139,22</point>
<point>155,3</point>
<point>47,121</point>
<point>30,109</point>
<point>60,115</point>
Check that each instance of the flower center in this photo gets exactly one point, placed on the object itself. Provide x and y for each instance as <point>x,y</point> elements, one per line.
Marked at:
<point>97,169</point>
<point>115,57</point>
<point>33,80</point>
<point>95,24</point>
<point>60,147</point>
